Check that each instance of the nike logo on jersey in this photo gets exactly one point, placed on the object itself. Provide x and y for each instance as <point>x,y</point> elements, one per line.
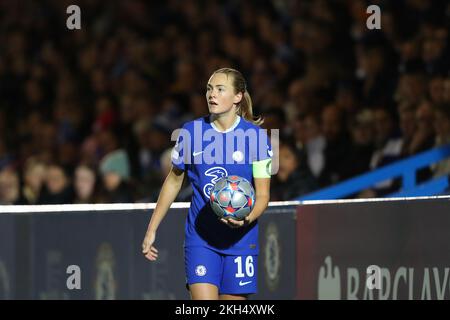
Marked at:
<point>197,153</point>
<point>244,283</point>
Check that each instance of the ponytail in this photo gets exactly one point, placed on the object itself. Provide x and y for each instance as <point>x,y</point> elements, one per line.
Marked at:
<point>245,110</point>
<point>245,107</point>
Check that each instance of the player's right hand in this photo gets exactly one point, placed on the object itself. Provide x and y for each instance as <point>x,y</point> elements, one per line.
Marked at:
<point>149,251</point>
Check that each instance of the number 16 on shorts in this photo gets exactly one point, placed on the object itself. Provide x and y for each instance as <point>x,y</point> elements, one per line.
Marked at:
<point>245,271</point>
<point>249,268</point>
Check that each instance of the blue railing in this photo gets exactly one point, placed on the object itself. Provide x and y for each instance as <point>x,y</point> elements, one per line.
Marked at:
<point>404,168</point>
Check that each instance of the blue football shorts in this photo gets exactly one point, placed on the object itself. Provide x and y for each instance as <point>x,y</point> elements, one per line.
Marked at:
<point>230,274</point>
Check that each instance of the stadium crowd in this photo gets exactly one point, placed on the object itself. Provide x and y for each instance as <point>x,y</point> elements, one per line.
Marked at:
<point>86,115</point>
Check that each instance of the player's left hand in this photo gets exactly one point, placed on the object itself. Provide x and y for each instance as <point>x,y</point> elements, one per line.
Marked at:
<point>232,223</point>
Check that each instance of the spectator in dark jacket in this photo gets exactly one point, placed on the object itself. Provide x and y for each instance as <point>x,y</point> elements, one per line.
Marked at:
<point>293,178</point>
<point>338,146</point>
<point>58,189</point>
<point>362,132</point>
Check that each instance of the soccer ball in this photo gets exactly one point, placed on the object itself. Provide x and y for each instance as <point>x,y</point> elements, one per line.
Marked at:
<point>232,197</point>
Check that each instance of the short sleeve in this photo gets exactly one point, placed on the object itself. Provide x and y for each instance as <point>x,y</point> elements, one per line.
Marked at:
<point>264,146</point>
<point>181,150</point>
<point>262,164</point>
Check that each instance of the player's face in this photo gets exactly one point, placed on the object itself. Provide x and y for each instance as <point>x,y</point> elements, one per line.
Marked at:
<point>220,94</point>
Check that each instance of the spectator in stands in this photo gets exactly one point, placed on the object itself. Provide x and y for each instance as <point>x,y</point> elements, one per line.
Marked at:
<point>412,86</point>
<point>10,188</point>
<point>346,98</point>
<point>66,92</point>
<point>293,178</point>
<point>152,140</point>
<point>338,146</point>
<point>34,177</point>
<point>388,140</point>
<point>423,137</point>
<point>186,191</point>
<point>300,94</point>
<point>90,151</point>
<point>388,147</point>
<point>435,50</point>
<point>115,172</point>
<point>275,118</point>
<point>417,135</point>
<point>310,142</point>
<point>107,142</point>
<point>376,83</point>
<point>408,49</point>
<point>362,134</point>
<point>436,89</point>
<point>58,187</point>
<point>197,107</point>
<point>442,128</point>
<point>408,126</point>
<point>85,185</point>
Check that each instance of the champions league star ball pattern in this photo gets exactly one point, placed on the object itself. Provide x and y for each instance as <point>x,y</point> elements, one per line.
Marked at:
<point>232,197</point>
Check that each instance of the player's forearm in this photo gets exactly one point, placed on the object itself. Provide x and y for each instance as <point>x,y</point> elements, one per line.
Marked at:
<point>169,192</point>
<point>261,204</point>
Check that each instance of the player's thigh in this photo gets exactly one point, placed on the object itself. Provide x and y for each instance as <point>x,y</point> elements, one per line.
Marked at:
<point>239,276</point>
<point>204,291</point>
<point>233,297</point>
<point>203,266</point>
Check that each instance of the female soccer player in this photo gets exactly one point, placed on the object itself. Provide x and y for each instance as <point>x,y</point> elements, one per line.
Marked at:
<point>220,254</point>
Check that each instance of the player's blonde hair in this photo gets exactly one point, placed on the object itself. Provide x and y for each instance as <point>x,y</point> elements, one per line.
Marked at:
<point>245,107</point>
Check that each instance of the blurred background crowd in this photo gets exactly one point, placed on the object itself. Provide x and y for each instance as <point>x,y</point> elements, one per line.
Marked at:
<point>86,115</point>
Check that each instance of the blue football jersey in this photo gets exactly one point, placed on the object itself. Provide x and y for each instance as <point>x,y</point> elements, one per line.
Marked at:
<point>206,154</point>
